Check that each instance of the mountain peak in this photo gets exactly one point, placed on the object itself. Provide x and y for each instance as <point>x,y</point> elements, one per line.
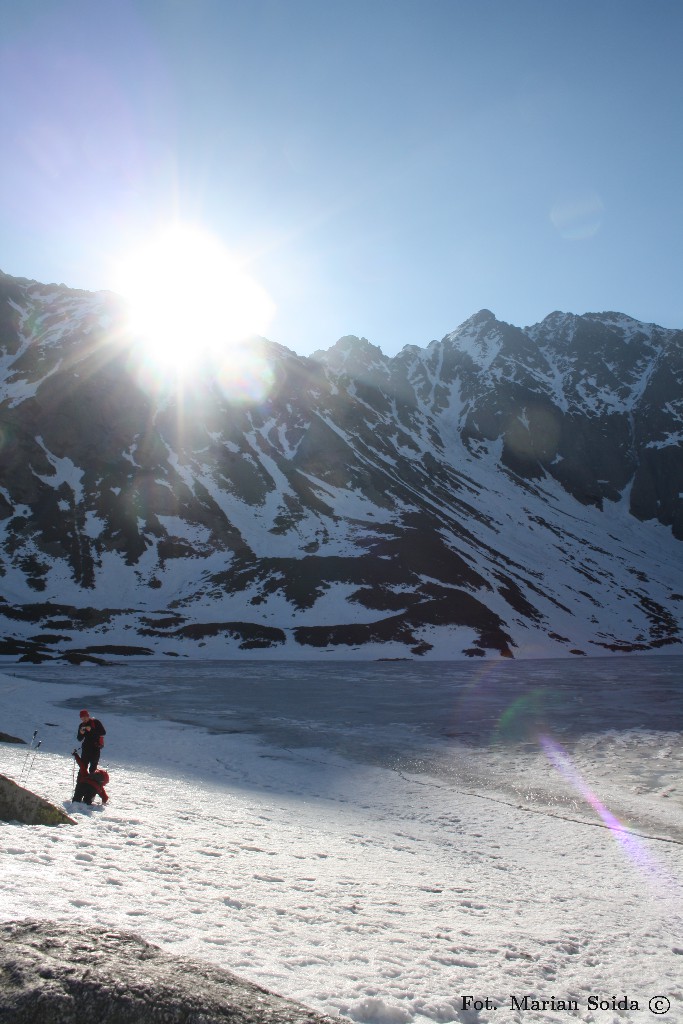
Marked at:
<point>482,317</point>
<point>351,354</point>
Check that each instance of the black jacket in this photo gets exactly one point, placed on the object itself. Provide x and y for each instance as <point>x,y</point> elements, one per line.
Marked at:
<point>92,738</point>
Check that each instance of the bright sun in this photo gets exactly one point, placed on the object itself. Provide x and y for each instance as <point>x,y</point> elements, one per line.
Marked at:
<point>189,299</point>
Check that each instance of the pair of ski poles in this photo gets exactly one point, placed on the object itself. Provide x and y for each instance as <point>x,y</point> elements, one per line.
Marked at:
<point>29,759</point>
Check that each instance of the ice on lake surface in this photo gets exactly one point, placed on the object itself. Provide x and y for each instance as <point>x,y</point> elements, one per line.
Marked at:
<point>482,727</point>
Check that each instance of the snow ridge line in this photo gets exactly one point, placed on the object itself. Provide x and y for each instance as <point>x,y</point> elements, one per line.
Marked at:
<point>546,814</point>
<point>622,829</point>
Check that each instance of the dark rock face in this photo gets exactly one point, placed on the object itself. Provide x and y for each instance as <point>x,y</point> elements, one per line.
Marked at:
<point>53,973</point>
<point>463,499</point>
<point>21,805</point>
<point>624,379</point>
<point>6,738</point>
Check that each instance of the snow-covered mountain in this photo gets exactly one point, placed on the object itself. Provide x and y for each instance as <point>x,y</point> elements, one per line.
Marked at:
<point>499,492</point>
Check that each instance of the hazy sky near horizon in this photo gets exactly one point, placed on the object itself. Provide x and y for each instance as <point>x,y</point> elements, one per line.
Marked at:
<point>384,168</point>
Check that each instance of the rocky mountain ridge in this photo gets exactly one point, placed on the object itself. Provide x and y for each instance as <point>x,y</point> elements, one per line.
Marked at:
<point>500,492</point>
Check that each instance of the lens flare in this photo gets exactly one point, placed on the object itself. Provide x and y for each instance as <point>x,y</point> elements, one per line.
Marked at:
<point>521,720</point>
<point>245,375</point>
<point>630,843</point>
<point>578,219</point>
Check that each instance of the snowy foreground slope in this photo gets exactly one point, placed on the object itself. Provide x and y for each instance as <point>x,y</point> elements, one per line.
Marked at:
<point>386,893</point>
<point>501,492</point>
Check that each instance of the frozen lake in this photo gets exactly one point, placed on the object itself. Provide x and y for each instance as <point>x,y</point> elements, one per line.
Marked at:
<point>477,725</point>
<point>305,704</point>
<point>382,841</point>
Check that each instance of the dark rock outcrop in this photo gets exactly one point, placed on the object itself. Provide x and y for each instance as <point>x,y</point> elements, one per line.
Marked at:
<point>19,804</point>
<point>6,738</point>
<point>53,973</point>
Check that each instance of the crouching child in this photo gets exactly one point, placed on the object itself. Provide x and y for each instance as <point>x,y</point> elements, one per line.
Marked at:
<point>89,784</point>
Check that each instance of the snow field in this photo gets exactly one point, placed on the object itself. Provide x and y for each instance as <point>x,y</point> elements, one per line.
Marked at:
<point>380,895</point>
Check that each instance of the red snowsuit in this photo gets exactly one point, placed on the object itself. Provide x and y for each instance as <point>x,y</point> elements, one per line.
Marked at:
<point>89,783</point>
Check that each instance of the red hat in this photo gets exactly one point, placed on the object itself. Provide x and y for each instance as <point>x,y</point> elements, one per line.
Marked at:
<point>84,714</point>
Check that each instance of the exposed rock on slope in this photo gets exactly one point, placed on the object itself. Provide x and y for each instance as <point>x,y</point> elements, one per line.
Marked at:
<point>19,804</point>
<point>6,738</point>
<point>58,974</point>
<point>502,491</point>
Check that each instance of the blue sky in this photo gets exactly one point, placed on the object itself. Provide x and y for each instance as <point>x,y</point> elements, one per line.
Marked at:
<point>385,168</point>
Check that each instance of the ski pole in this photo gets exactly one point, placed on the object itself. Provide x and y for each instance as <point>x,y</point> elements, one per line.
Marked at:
<point>32,760</point>
<point>28,754</point>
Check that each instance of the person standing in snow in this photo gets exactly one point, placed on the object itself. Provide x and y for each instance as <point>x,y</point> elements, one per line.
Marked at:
<point>91,735</point>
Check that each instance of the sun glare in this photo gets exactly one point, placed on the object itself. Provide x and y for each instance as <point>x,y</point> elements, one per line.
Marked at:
<point>189,300</point>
